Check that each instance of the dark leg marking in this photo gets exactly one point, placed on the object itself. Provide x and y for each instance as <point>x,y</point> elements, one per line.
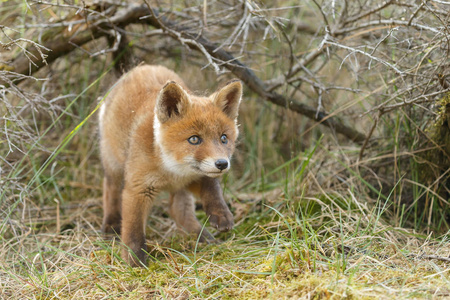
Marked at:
<point>149,192</point>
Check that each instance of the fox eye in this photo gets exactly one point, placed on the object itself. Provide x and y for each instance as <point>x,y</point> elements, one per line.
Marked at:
<point>224,139</point>
<point>194,140</point>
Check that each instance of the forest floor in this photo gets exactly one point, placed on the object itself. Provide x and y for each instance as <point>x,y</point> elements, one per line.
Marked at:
<point>322,249</point>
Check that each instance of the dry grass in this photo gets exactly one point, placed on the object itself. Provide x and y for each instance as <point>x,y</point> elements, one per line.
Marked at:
<point>339,249</point>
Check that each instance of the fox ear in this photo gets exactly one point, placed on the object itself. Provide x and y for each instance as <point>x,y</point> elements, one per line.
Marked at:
<point>172,101</point>
<point>229,97</point>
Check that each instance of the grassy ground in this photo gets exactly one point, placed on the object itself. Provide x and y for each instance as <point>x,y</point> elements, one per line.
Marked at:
<point>287,243</point>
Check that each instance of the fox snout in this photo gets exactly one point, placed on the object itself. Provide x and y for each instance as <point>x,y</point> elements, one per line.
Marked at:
<point>214,167</point>
<point>221,164</point>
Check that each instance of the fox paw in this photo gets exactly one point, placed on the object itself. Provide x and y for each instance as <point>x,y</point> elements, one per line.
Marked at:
<point>135,258</point>
<point>206,237</point>
<point>222,221</point>
<point>111,226</point>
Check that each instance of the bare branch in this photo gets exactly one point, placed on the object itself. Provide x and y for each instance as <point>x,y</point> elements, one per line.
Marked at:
<point>386,23</point>
<point>368,55</point>
<point>368,12</point>
<point>134,13</point>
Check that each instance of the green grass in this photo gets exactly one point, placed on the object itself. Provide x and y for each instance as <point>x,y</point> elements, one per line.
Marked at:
<point>353,254</point>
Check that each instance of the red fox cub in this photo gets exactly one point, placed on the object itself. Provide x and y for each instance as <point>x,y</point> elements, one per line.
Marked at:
<point>156,135</point>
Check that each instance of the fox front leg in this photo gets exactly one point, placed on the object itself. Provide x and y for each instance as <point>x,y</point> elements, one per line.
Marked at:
<point>136,203</point>
<point>214,205</point>
<point>112,204</point>
<point>182,210</point>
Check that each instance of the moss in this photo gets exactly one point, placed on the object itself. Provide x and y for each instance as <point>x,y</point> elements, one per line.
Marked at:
<point>439,135</point>
<point>435,161</point>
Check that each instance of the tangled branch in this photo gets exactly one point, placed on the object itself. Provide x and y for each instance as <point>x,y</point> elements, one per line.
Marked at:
<point>216,56</point>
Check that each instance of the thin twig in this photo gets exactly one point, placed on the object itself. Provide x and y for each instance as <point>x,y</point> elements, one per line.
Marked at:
<point>184,41</point>
<point>369,135</point>
<point>414,14</point>
<point>367,13</point>
<point>368,55</point>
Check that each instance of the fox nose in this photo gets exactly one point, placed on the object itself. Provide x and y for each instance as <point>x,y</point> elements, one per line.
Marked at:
<point>221,164</point>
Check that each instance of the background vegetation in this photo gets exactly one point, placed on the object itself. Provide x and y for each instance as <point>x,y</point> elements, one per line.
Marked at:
<point>340,184</point>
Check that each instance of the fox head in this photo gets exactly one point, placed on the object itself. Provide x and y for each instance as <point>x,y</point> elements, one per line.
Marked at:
<point>196,135</point>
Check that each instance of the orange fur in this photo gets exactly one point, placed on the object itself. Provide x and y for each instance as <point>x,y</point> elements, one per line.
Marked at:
<point>156,135</point>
